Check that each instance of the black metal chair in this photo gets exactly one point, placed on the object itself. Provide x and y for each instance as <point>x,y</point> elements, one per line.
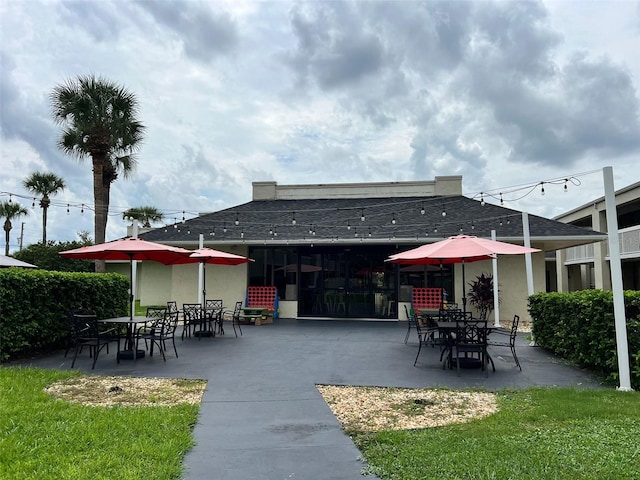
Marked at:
<point>87,333</point>
<point>192,317</point>
<point>162,330</point>
<point>506,338</point>
<point>411,323</point>
<point>428,334</point>
<point>470,339</point>
<point>213,310</point>
<point>232,316</point>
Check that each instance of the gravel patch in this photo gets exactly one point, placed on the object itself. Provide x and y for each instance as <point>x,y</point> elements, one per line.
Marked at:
<point>371,409</point>
<point>109,391</point>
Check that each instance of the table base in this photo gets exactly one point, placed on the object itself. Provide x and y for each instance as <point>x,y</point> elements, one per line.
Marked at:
<point>203,333</point>
<point>128,354</point>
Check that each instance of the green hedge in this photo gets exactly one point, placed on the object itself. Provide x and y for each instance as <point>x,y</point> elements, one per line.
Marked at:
<point>580,326</point>
<point>34,306</point>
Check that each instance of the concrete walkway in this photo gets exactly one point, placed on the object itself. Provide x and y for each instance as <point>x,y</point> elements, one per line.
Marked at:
<point>262,416</point>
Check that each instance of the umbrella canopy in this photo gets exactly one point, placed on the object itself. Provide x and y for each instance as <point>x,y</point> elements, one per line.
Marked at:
<point>129,249</point>
<point>209,255</point>
<point>459,249</point>
<point>13,262</point>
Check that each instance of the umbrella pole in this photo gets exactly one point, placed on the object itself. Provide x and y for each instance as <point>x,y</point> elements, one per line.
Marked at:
<point>464,293</point>
<point>131,307</point>
<point>204,283</point>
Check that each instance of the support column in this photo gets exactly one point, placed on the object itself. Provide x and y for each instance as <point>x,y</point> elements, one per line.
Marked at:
<point>602,272</point>
<point>562,271</point>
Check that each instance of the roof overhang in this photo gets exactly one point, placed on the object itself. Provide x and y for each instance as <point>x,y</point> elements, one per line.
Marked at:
<point>543,243</point>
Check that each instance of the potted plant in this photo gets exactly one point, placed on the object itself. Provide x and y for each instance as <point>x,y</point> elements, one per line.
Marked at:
<point>480,294</point>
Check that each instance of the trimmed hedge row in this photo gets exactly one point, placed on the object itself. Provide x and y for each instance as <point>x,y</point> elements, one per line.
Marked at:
<point>580,326</point>
<point>34,306</point>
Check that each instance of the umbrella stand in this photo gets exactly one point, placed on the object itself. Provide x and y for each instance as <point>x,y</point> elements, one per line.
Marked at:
<point>130,352</point>
<point>203,312</point>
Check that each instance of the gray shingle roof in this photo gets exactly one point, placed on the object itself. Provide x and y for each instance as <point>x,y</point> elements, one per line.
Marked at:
<point>339,220</point>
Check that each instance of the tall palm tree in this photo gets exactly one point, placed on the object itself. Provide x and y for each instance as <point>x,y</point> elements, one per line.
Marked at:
<point>10,211</point>
<point>99,121</point>
<point>44,184</point>
<point>145,215</point>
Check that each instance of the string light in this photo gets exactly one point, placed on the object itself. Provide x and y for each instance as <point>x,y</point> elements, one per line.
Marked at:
<point>393,219</point>
<point>293,218</point>
<point>33,204</point>
<point>237,221</point>
<point>482,202</point>
<point>422,210</point>
<point>541,188</point>
<point>362,215</point>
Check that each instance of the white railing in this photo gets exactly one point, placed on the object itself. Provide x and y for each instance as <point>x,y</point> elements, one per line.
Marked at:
<point>629,239</point>
<point>580,254</point>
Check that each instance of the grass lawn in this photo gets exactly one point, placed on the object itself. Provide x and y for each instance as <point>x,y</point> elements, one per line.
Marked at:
<point>45,438</point>
<point>537,434</point>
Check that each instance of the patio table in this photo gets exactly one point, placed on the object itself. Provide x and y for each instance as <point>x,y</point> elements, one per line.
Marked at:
<point>130,345</point>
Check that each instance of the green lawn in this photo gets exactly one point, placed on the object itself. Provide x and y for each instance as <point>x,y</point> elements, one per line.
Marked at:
<point>537,434</point>
<point>44,438</point>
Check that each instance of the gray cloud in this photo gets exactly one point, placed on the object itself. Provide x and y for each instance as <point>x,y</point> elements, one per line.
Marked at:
<point>204,33</point>
<point>98,19</point>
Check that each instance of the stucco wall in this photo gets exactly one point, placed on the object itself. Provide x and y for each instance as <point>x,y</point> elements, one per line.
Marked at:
<point>512,282</point>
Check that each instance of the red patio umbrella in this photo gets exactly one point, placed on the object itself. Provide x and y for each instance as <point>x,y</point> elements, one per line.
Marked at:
<point>459,249</point>
<point>129,249</point>
<point>209,255</point>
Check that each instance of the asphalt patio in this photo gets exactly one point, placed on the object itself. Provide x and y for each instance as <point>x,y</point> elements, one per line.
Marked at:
<point>262,417</point>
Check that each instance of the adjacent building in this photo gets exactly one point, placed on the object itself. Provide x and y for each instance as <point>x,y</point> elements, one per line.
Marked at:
<point>587,266</point>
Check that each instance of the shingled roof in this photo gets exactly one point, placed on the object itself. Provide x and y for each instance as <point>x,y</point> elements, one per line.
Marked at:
<point>397,220</point>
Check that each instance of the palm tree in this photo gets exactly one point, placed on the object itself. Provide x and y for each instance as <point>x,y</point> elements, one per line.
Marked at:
<point>44,184</point>
<point>145,215</point>
<point>10,211</point>
<point>99,121</point>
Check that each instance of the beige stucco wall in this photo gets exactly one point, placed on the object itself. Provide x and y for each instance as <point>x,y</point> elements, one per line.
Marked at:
<point>512,282</point>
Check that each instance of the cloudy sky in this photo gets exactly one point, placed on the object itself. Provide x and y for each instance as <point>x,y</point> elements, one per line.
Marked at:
<point>506,94</point>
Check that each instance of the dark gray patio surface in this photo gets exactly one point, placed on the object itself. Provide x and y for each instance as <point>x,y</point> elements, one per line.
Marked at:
<point>262,416</point>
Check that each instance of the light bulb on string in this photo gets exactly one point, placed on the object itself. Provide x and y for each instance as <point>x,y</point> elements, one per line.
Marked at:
<point>482,202</point>
<point>67,209</point>
<point>348,225</point>
<point>541,188</point>
<point>33,204</point>
<point>183,216</point>
<point>566,189</point>
<point>82,209</point>
<point>362,218</point>
<point>501,200</point>
<point>422,210</point>
<point>393,219</point>
<point>237,220</point>
<point>293,218</point>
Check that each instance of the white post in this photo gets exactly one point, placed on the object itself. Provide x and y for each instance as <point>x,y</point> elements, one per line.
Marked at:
<point>527,256</point>
<point>134,269</point>
<point>528,263</point>
<point>496,303</point>
<point>201,274</point>
<point>616,280</point>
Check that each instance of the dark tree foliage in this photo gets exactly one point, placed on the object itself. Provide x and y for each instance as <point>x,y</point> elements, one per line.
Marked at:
<point>47,257</point>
